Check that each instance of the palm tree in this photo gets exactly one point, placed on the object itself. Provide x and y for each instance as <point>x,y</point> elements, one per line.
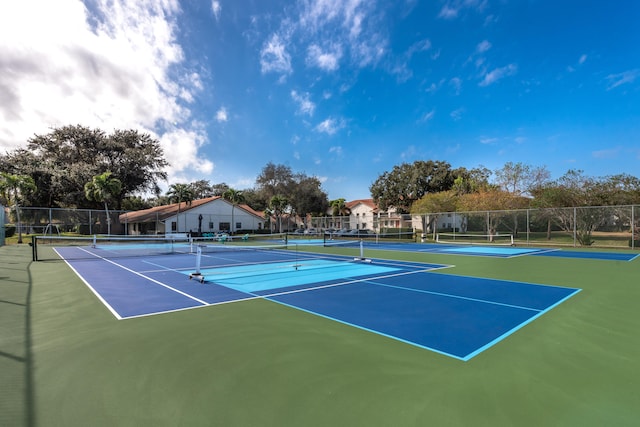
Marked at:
<point>13,188</point>
<point>339,208</point>
<point>235,197</point>
<point>180,193</point>
<point>278,204</point>
<point>102,188</point>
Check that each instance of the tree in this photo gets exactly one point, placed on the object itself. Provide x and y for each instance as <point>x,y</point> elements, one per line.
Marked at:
<point>494,200</point>
<point>278,205</point>
<point>235,197</point>
<point>202,189</point>
<point>62,161</point>
<point>218,189</point>
<point>101,189</point>
<point>407,183</point>
<point>574,202</point>
<point>13,188</point>
<point>254,199</point>
<point>179,193</point>
<point>339,208</point>
<point>521,179</point>
<point>307,196</point>
<point>304,193</point>
<point>275,180</point>
<point>432,204</point>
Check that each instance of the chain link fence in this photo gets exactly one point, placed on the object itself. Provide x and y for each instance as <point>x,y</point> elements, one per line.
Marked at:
<point>600,226</point>
<point>596,226</point>
<point>58,221</point>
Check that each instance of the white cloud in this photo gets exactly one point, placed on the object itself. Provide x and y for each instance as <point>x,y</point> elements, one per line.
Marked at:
<point>434,87</point>
<point>327,60</point>
<point>456,83</point>
<point>222,115</point>
<point>448,12</point>
<point>457,114</point>
<point>498,74</point>
<point>452,8</point>
<point>428,116</point>
<point>216,8</point>
<point>488,141</point>
<point>419,46</point>
<point>583,59</point>
<point>274,56</point>
<point>483,46</point>
<point>183,146</point>
<point>337,151</point>
<point>625,77</point>
<point>305,106</point>
<point>330,126</point>
<point>330,31</point>
<point>116,65</point>
<point>611,153</point>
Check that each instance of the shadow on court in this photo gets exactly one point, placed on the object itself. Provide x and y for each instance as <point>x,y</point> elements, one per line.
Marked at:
<point>17,406</point>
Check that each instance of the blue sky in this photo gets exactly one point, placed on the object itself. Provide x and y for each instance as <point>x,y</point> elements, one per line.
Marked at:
<point>338,89</point>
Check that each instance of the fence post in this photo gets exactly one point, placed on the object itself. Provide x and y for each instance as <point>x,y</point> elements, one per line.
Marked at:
<point>633,228</point>
<point>2,225</point>
<point>528,226</point>
<point>575,226</point>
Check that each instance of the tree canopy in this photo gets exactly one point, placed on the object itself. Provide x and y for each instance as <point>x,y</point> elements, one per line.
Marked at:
<point>303,193</point>
<point>407,183</point>
<point>62,161</point>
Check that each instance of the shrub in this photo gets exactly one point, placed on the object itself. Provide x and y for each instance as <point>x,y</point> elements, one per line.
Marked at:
<point>9,230</point>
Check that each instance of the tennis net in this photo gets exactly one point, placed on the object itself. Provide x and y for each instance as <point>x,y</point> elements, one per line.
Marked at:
<point>47,248</point>
<point>475,239</point>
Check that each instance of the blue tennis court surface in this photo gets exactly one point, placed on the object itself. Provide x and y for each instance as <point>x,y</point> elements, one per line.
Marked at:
<point>411,302</point>
<point>490,251</point>
<point>262,277</point>
<point>501,251</point>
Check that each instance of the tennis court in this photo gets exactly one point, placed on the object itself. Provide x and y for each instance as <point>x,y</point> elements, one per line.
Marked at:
<point>455,316</point>
<point>497,251</point>
<point>412,337</point>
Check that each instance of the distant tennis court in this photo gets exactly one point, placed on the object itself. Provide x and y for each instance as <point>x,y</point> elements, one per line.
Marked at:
<point>497,251</point>
<point>411,302</point>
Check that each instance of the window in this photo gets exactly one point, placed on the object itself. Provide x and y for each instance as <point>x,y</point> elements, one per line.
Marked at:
<point>211,226</point>
<point>238,226</point>
<point>174,226</point>
<point>225,226</point>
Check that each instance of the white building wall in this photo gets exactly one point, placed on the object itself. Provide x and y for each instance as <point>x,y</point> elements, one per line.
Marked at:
<point>216,216</point>
<point>362,217</point>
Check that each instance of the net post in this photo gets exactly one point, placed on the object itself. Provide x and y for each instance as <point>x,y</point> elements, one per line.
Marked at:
<point>198,259</point>
<point>362,258</point>
<point>34,249</point>
<point>198,274</point>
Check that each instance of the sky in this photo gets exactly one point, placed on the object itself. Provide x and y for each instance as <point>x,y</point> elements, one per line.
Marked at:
<point>343,90</point>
